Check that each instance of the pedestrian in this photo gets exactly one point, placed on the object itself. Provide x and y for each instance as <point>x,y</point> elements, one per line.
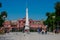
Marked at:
<point>23,29</point>
<point>56,31</point>
<point>46,32</point>
<point>39,29</point>
<point>43,31</point>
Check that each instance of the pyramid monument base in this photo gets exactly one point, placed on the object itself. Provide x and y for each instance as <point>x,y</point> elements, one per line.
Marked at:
<point>27,29</point>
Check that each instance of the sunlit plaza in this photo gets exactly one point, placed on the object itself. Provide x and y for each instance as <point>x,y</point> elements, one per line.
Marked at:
<point>30,20</point>
<point>30,36</point>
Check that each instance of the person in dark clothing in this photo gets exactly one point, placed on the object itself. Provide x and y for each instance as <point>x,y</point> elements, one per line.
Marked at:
<point>39,30</point>
<point>46,31</point>
<point>23,29</point>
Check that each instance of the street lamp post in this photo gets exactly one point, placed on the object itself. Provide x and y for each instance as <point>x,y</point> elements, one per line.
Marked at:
<point>57,27</point>
<point>53,22</point>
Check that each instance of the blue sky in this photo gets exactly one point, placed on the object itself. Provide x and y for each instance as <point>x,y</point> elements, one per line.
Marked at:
<point>16,9</point>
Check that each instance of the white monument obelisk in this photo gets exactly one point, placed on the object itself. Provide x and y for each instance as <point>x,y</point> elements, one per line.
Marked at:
<point>27,20</point>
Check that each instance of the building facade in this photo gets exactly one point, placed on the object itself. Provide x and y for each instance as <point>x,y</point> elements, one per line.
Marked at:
<point>19,24</point>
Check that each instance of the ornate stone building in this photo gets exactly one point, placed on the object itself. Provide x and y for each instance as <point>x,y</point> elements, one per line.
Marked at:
<point>19,24</point>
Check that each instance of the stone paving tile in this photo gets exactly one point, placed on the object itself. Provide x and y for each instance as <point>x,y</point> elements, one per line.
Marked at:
<point>31,36</point>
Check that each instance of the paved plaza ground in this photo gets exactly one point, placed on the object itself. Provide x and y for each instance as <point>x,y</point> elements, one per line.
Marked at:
<point>31,36</point>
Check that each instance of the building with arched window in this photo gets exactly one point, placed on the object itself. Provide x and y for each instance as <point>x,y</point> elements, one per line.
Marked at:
<point>19,24</point>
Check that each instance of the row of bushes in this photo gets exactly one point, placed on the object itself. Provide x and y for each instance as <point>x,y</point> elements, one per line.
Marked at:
<point>22,30</point>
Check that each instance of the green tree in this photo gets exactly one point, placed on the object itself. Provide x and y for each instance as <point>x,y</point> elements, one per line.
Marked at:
<point>57,8</point>
<point>57,12</point>
<point>50,21</point>
<point>3,15</point>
